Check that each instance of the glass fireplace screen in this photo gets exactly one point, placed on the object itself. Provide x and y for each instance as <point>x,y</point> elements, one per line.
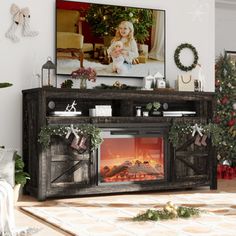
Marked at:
<point>131,159</point>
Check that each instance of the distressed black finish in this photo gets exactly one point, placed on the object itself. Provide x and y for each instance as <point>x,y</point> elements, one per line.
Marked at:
<point>61,172</point>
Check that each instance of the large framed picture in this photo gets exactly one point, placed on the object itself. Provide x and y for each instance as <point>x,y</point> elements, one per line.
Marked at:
<point>114,40</point>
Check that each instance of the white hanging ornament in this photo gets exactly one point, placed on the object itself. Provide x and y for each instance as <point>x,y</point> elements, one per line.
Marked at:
<point>234,106</point>
<point>225,72</point>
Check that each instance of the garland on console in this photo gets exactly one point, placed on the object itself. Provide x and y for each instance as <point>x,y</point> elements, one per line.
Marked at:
<point>178,132</point>
<point>177,57</point>
<point>64,131</point>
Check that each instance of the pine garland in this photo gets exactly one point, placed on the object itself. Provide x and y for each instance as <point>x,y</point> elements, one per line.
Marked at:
<point>178,132</point>
<point>170,211</point>
<point>61,130</point>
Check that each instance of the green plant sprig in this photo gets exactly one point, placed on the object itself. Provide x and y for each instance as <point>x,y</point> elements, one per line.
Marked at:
<point>156,215</point>
<point>5,85</point>
<point>87,130</point>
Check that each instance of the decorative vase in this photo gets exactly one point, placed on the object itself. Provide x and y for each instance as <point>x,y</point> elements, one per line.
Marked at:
<point>83,83</point>
<point>17,192</point>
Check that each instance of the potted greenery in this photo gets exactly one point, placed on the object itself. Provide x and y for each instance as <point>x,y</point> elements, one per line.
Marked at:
<point>153,108</point>
<point>21,176</point>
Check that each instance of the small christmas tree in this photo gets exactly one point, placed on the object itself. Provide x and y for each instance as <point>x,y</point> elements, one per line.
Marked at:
<point>225,112</point>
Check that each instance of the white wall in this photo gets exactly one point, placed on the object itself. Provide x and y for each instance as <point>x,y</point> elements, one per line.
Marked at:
<point>186,21</point>
<point>225,21</point>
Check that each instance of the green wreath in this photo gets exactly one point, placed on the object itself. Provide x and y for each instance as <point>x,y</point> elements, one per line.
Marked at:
<point>177,55</point>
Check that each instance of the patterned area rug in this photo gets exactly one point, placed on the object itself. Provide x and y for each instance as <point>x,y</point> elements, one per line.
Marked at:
<point>112,215</point>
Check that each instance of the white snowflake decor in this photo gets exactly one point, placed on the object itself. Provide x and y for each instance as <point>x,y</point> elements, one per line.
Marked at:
<point>199,10</point>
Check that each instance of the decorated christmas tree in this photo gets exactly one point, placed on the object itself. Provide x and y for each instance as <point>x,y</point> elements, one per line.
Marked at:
<point>105,19</point>
<point>225,112</point>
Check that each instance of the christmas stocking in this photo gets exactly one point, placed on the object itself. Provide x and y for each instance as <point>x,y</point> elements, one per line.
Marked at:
<point>198,140</point>
<point>81,143</point>
<point>203,141</point>
<point>17,20</point>
<point>27,32</point>
<point>74,143</point>
<point>11,33</point>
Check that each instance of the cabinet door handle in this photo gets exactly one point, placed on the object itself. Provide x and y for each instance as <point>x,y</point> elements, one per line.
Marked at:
<point>153,132</point>
<point>128,132</point>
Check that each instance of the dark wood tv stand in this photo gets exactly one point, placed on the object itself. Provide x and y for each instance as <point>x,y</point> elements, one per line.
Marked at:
<point>51,169</point>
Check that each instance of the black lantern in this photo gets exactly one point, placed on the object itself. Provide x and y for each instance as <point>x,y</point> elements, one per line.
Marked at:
<point>48,74</point>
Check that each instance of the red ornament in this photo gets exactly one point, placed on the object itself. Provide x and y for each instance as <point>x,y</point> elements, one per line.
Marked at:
<point>224,100</point>
<point>217,119</point>
<point>233,113</point>
<point>231,122</point>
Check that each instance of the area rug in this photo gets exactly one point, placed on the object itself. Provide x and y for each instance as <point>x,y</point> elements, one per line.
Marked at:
<point>112,215</point>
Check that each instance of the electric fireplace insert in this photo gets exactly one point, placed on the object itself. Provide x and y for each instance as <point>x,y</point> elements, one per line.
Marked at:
<point>132,154</point>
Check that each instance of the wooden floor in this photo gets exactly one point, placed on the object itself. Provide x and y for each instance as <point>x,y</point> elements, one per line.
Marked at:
<point>25,220</point>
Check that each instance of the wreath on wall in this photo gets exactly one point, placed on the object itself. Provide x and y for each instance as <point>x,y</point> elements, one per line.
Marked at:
<point>179,64</point>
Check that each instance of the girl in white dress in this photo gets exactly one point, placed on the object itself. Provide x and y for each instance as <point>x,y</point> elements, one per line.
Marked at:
<point>125,34</point>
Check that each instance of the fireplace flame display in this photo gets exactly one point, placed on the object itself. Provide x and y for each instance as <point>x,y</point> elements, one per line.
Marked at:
<point>132,159</point>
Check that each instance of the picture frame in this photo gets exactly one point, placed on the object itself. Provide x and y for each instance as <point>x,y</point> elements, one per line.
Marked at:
<point>95,40</point>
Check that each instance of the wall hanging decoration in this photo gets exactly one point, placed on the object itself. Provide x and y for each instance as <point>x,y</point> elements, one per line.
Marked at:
<point>178,62</point>
<point>21,17</point>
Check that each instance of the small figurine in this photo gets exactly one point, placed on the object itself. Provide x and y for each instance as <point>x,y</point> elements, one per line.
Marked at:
<point>71,108</point>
